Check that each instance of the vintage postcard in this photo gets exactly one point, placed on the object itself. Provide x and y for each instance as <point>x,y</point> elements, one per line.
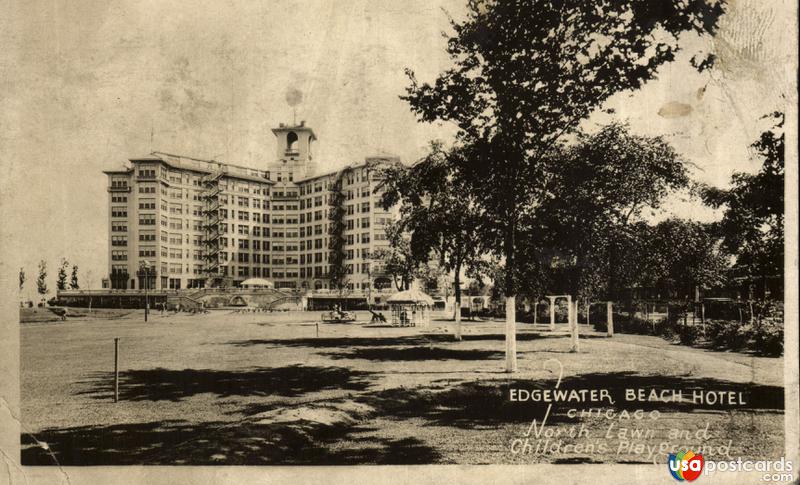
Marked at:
<point>477,241</point>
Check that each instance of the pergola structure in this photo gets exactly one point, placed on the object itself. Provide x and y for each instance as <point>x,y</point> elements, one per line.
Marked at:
<point>572,316</point>
<point>553,299</point>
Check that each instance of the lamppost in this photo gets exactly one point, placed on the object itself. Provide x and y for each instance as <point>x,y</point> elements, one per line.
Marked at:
<point>144,269</point>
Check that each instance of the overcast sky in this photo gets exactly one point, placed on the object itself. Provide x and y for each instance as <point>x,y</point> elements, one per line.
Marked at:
<point>84,84</point>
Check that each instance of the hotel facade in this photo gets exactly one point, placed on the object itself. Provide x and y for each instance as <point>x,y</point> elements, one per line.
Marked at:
<point>178,222</point>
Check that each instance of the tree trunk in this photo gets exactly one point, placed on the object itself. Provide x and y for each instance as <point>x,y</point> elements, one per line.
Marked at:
<point>511,334</point>
<point>457,282</point>
<point>511,317</point>
<point>612,277</point>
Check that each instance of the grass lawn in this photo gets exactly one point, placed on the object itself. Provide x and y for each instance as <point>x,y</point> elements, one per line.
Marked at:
<point>225,388</point>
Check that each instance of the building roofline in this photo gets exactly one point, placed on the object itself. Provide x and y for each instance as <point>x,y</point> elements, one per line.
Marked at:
<point>367,162</point>
<point>159,157</point>
<point>300,127</point>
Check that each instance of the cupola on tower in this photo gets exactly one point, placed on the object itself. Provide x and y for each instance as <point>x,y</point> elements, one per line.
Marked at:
<point>294,155</point>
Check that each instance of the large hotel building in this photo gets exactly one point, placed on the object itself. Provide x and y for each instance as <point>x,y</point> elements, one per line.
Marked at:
<point>201,223</point>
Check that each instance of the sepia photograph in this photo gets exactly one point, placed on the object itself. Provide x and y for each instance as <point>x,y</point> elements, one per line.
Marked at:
<point>558,236</point>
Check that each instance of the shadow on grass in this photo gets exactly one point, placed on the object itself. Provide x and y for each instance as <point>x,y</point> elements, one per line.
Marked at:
<point>174,385</point>
<point>373,450</point>
<point>213,443</point>
<point>422,352</point>
<point>479,404</point>
<point>471,405</point>
<point>406,340</point>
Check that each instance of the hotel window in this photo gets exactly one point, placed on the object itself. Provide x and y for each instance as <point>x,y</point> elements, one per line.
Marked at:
<point>365,207</point>
<point>119,255</point>
<point>244,258</point>
<point>365,237</point>
<point>119,212</point>
<point>244,244</point>
<point>147,220</point>
<point>119,240</point>
<point>147,173</point>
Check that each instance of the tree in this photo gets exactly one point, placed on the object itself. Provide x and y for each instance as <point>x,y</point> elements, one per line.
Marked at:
<point>41,281</point>
<point>688,255</point>
<point>398,260</point>
<point>21,278</point>
<point>61,282</point>
<point>441,216</point>
<point>73,281</point>
<point>598,190</point>
<point>752,224</point>
<point>525,74</point>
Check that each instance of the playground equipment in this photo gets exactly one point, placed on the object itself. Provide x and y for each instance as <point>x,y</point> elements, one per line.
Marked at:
<point>410,308</point>
<point>338,316</point>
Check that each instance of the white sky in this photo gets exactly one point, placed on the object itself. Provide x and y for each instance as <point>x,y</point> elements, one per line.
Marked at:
<point>83,84</point>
